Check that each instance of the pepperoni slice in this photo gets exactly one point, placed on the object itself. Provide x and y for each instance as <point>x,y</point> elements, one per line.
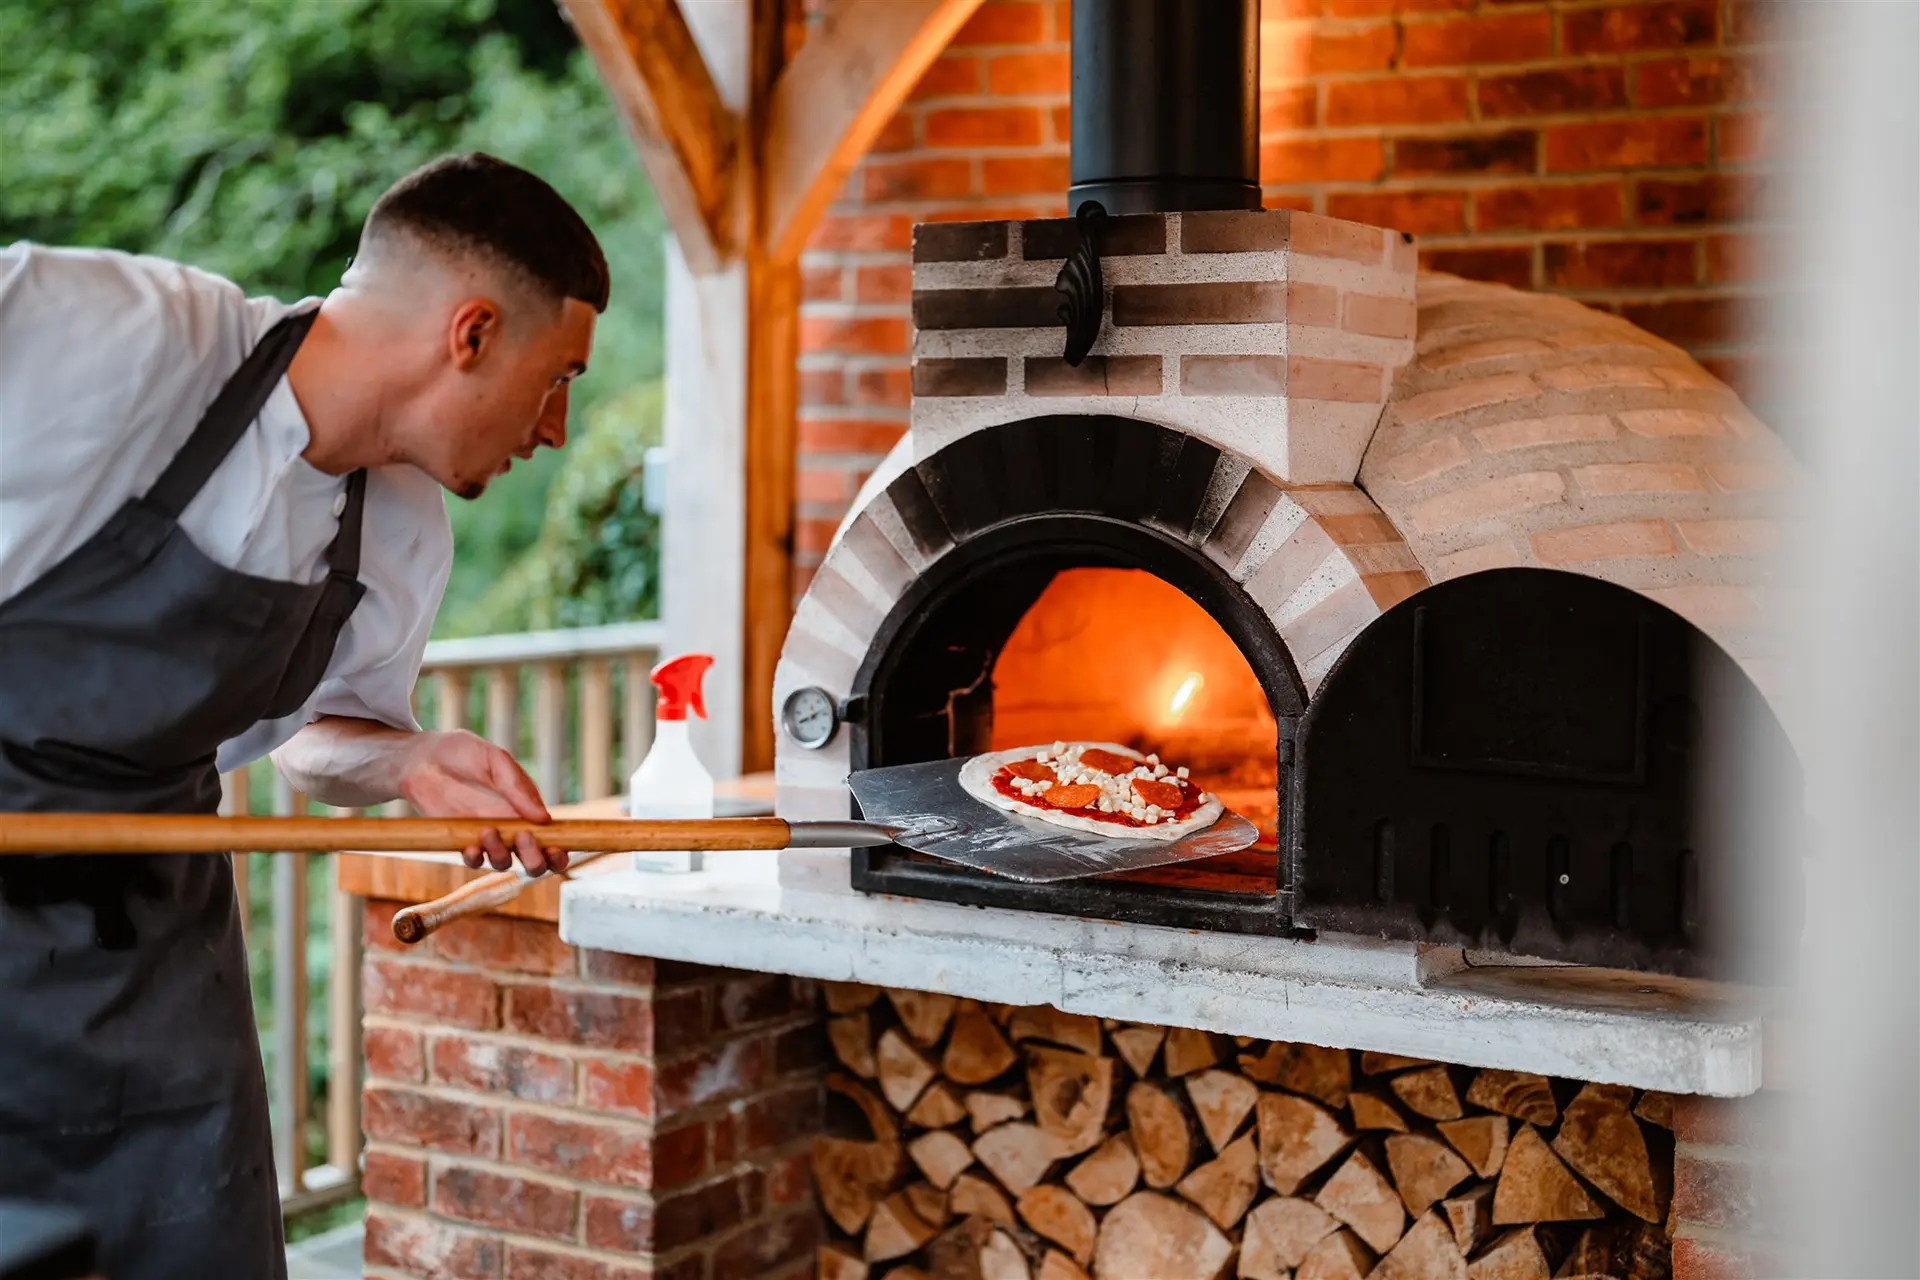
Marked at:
<point>1078,796</point>
<point>1033,771</point>
<point>1109,762</point>
<point>1167,795</point>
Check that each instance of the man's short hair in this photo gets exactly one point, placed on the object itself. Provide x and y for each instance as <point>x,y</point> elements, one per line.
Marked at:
<point>478,204</point>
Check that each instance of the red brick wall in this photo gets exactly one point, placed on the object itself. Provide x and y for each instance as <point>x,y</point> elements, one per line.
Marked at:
<point>1611,152</point>
<point>1726,1224</point>
<point>535,1112</point>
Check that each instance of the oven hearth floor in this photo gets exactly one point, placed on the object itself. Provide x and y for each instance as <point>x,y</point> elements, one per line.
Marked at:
<point>794,914</point>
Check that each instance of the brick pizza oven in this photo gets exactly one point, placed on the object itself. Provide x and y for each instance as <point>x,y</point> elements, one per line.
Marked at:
<point>1455,590</point>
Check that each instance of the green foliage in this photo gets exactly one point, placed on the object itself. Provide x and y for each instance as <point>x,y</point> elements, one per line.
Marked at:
<point>249,137</point>
<point>597,556</point>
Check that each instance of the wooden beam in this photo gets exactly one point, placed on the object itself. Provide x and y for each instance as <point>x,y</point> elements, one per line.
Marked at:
<point>856,67</point>
<point>687,138</point>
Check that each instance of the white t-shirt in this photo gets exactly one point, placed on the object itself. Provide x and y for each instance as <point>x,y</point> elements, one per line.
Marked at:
<point>107,361</point>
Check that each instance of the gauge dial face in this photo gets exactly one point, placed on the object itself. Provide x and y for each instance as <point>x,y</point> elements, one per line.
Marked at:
<point>810,717</point>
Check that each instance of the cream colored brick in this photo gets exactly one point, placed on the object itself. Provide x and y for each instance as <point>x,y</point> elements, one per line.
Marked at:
<point>1346,380</point>
<point>1740,476</point>
<point>1729,537</point>
<point>1689,377</point>
<point>1527,433</point>
<point>1489,555</point>
<point>1608,478</point>
<point>1313,304</point>
<point>1487,349</point>
<point>1499,497</point>
<point>1376,558</point>
<point>1710,606</point>
<point>1403,253</point>
<point>1389,589</point>
<point>1349,606</point>
<point>1435,457</point>
<point>1671,422</point>
<point>1590,377</point>
<point>1604,542</point>
<point>1381,317</point>
<point>1332,500</point>
<point>1477,394</point>
<point>1337,238</point>
<point>1743,423</point>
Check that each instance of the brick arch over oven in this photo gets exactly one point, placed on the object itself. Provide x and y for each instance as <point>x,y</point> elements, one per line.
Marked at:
<point>1531,430</point>
<point>1319,562</point>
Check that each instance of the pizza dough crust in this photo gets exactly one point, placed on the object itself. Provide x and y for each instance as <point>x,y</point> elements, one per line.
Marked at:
<point>976,779</point>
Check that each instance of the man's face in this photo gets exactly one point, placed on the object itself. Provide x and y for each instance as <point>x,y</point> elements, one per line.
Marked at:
<point>506,394</point>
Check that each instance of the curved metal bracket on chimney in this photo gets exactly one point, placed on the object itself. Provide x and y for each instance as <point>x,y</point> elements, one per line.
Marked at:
<point>1079,283</point>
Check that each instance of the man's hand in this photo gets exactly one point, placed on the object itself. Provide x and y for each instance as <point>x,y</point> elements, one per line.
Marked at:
<point>353,763</point>
<point>461,775</point>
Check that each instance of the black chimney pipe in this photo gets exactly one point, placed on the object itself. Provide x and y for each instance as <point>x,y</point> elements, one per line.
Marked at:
<point>1166,105</point>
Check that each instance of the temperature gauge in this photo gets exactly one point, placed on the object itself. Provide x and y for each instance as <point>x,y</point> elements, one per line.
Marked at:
<point>810,717</point>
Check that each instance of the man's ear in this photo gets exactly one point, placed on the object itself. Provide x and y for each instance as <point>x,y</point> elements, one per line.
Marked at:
<point>472,332</point>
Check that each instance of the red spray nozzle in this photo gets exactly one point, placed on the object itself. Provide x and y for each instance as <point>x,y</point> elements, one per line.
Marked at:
<point>679,681</point>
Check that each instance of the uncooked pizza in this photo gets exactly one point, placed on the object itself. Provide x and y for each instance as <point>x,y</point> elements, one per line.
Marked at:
<point>1099,787</point>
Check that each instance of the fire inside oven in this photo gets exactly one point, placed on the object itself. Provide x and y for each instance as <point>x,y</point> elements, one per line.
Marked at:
<point>1071,627</point>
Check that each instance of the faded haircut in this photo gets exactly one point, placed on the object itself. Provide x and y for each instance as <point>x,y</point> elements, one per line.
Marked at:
<point>477,205</point>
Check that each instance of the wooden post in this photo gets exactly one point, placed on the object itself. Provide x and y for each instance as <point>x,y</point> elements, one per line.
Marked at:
<point>343,1038</point>
<point>453,685</point>
<point>596,729</point>
<point>550,730</point>
<point>290,1000</point>
<point>637,716</point>
<point>503,707</point>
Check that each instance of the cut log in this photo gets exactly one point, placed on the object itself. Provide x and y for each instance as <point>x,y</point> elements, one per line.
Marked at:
<point>976,1052</point>
<point>1297,1137</point>
<point>1429,1092</point>
<point>1371,1111</point>
<point>1002,1259</point>
<point>937,1108</point>
<point>930,1204</point>
<point>1514,1256</point>
<point>852,1176</point>
<point>1058,1266</point>
<point>1279,1235</point>
<point>1655,1108</point>
<point>941,1155</point>
<point>967,1251</point>
<point>1340,1256</point>
<point>1535,1187</point>
<point>1481,1139</point>
<point>1221,1100</point>
<point>1137,1046</point>
<point>831,1262</point>
<point>1187,1051</point>
<point>1151,1235</point>
<point>1380,1064</point>
<point>1224,1187</point>
<point>1619,1251</point>
<point>1072,1093</point>
<point>903,1072</point>
<point>1426,1252</point>
<point>1602,1141</point>
<point>1018,1154</point>
<point>1057,1214</point>
<point>1471,1217</point>
<point>1044,1022</point>
<point>849,997</point>
<point>1515,1093</point>
<point>986,1110</point>
<point>852,1040</point>
<point>906,1273</point>
<point>922,1013</point>
<point>1326,1074</point>
<point>879,1120</point>
<point>1424,1170</point>
<point>1161,1136</point>
<point>1109,1174</point>
<point>1360,1197</point>
<point>974,1196</point>
<point>896,1230</point>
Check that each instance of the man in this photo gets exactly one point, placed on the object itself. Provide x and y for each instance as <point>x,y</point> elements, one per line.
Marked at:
<point>222,534</point>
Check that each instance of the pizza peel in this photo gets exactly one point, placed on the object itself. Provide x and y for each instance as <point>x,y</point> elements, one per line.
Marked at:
<point>930,813</point>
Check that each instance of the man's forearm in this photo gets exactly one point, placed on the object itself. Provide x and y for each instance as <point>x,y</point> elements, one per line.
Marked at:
<point>346,762</point>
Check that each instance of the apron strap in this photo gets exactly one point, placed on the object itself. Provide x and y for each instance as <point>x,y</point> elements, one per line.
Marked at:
<point>229,416</point>
<point>343,554</point>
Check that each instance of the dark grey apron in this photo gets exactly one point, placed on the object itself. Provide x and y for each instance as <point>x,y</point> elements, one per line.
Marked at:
<point>130,1076</point>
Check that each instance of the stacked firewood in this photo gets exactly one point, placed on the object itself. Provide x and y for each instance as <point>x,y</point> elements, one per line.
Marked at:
<point>991,1142</point>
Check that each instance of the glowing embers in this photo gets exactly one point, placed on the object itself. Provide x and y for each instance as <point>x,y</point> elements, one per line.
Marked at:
<point>1117,655</point>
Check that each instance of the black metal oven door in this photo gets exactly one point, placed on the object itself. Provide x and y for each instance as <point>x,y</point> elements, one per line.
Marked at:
<point>1547,764</point>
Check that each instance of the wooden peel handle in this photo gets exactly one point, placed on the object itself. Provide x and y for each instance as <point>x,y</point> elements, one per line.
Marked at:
<point>476,897</point>
<point>53,833</point>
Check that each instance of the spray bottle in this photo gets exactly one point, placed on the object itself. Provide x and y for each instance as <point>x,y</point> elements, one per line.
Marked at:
<point>671,782</point>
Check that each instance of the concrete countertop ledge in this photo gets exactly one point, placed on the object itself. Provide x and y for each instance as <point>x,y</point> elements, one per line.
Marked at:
<point>794,913</point>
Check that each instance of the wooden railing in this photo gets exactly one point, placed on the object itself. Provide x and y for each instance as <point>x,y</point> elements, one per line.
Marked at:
<point>574,705</point>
